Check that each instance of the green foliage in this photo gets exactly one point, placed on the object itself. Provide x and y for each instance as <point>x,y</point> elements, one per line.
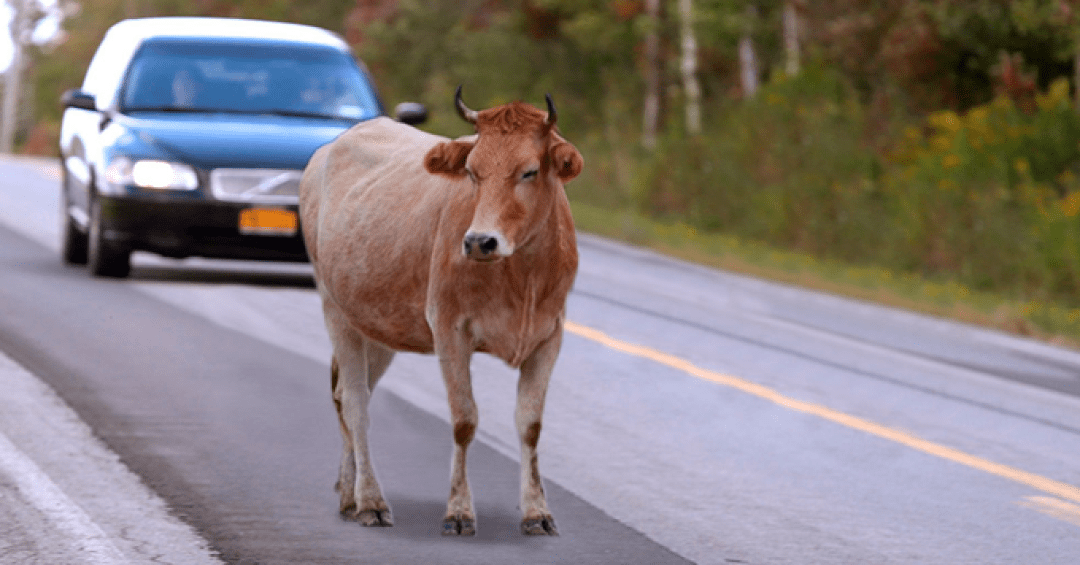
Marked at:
<point>973,35</point>
<point>787,167</point>
<point>992,196</point>
<point>577,51</point>
<point>989,198</point>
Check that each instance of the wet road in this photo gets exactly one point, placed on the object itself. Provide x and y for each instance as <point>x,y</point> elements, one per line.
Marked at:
<point>693,415</point>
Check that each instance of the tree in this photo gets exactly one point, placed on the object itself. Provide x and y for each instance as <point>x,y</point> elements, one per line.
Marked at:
<point>651,106</point>
<point>791,37</point>
<point>691,87</point>
<point>26,14</point>
<point>748,63</point>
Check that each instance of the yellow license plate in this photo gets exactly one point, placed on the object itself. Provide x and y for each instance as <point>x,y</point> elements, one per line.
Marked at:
<point>268,221</point>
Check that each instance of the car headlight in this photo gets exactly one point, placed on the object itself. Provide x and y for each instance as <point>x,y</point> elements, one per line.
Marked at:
<point>151,173</point>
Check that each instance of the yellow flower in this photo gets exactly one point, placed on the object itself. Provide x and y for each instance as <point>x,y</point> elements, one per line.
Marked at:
<point>950,161</point>
<point>1021,165</point>
<point>941,143</point>
<point>945,120</point>
<point>1070,205</point>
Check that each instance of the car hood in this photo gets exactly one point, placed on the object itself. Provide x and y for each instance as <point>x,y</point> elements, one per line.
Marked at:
<point>210,141</point>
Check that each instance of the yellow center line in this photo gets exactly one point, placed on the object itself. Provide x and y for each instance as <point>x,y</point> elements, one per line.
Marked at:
<point>1049,486</point>
<point>1053,507</point>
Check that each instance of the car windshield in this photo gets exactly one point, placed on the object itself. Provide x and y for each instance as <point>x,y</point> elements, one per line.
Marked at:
<point>175,75</point>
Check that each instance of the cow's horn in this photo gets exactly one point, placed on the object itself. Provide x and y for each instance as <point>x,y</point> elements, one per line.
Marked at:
<point>463,110</point>
<point>550,121</point>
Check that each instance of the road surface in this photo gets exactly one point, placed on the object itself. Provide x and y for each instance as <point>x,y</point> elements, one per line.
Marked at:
<point>694,416</point>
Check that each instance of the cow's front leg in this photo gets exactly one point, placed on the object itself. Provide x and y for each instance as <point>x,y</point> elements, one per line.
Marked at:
<point>454,360</point>
<point>532,389</point>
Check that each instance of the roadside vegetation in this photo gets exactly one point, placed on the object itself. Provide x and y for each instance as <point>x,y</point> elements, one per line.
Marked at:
<point>920,153</point>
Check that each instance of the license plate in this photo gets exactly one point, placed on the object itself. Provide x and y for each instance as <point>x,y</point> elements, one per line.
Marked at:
<point>268,221</point>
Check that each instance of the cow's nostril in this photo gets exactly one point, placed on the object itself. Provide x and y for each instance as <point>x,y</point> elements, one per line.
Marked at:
<point>480,245</point>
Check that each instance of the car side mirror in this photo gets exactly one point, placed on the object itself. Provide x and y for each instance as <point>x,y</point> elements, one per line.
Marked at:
<point>412,113</point>
<point>76,98</point>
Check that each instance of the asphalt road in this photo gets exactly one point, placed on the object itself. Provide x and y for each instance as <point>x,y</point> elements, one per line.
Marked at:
<point>694,415</point>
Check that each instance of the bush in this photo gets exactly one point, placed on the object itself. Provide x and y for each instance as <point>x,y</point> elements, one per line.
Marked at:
<point>787,168</point>
<point>988,198</point>
<point>992,195</point>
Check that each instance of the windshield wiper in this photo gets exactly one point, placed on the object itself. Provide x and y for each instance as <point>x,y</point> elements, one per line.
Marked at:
<point>263,111</point>
<point>178,109</point>
<point>303,114</point>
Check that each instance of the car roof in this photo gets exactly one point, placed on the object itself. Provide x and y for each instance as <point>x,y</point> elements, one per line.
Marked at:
<point>138,30</point>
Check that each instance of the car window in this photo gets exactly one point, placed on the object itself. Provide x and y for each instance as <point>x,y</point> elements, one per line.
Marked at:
<point>248,77</point>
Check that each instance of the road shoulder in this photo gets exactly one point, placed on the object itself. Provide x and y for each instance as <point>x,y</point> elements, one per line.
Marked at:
<point>69,498</point>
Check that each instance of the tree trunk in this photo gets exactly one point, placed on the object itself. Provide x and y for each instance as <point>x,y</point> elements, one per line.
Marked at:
<point>691,87</point>
<point>791,37</point>
<point>13,77</point>
<point>651,112</point>
<point>748,68</point>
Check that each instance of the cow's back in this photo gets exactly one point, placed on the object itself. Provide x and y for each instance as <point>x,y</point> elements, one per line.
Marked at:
<point>370,212</point>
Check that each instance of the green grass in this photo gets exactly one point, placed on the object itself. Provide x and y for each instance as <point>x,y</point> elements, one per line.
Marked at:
<point>942,298</point>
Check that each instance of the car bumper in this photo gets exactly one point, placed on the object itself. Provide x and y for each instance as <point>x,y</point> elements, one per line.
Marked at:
<point>188,227</point>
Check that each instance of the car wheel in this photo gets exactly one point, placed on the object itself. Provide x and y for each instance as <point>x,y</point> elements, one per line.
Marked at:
<point>73,241</point>
<point>106,259</point>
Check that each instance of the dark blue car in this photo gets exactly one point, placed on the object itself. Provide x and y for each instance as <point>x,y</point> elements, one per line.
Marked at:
<point>189,135</point>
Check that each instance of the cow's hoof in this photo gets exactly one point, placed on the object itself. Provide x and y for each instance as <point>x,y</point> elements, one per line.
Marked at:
<point>542,526</point>
<point>369,518</point>
<point>458,526</point>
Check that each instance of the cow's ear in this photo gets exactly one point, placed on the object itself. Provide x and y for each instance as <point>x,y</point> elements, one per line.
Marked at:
<point>448,158</point>
<point>567,160</point>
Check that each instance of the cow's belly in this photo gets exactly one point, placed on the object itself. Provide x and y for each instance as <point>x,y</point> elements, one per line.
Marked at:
<point>414,339</point>
<point>388,309</point>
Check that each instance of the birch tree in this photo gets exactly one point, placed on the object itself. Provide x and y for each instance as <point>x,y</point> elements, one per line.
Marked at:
<point>24,16</point>
<point>688,66</point>
<point>651,106</point>
<point>791,37</point>
<point>748,64</point>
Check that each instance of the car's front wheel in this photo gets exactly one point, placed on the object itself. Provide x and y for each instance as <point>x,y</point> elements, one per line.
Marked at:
<point>73,241</point>
<point>106,258</point>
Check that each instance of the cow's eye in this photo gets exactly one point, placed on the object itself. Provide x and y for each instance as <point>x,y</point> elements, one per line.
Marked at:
<point>529,175</point>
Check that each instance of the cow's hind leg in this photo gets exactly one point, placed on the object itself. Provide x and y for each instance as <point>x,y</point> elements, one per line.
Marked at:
<point>528,416</point>
<point>355,369</point>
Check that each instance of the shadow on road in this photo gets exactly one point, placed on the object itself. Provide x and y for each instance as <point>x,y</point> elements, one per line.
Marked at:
<point>421,520</point>
<point>221,276</point>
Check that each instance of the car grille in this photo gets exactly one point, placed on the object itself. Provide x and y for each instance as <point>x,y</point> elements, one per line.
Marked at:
<point>277,186</point>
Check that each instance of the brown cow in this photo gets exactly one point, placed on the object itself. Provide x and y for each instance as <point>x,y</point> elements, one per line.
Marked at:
<point>429,245</point>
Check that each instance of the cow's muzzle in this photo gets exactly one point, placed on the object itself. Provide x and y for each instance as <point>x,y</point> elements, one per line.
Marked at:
<point>482,246</point>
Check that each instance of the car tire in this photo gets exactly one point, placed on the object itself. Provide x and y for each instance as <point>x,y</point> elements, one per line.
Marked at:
<point>74,243</point>
<point>106,259</point>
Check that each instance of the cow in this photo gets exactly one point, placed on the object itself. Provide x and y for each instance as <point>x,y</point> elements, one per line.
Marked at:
<point>424,244</point>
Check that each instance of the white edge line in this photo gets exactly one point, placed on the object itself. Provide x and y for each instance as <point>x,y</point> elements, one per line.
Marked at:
<point>42,493</point>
